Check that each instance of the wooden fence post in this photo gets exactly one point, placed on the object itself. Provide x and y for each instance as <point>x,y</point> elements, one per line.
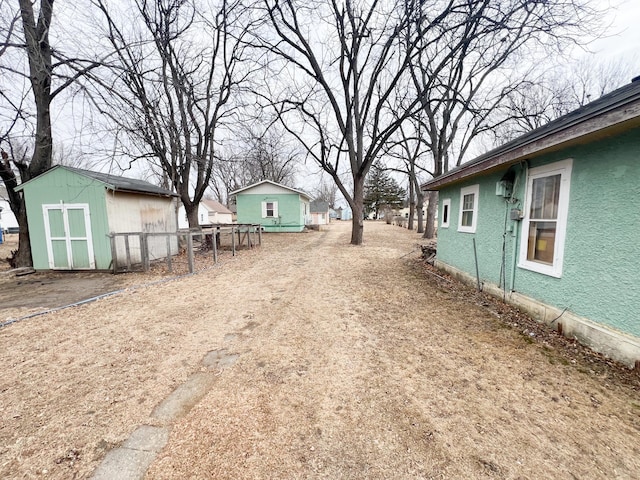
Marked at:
<point>214,243</point>
<point>144,252</point>
<point>233,241</point>
<point>127,250</point>
<point>114,253</point>
<point>169,252</point>
<point>190,251</point>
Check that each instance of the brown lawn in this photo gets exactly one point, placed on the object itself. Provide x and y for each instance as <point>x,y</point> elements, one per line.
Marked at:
<point>353,362</point>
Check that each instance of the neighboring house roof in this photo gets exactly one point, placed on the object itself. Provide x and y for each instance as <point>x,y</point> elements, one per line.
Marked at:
<point>617,110</point>
<point>318,206</point>
<point>293,190</point>
<point>114,182</point>
<point>215,206</point>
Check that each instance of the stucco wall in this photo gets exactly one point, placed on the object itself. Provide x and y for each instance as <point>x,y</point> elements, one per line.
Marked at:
<point>291,211</point>
<point>600,269</point>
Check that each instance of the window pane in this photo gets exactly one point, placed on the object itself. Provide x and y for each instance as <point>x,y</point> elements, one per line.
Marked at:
<point>445,214</point>
<point>544,198</point>
<point>467,218</point>
<point>467,202</point>
<point>542,238</point>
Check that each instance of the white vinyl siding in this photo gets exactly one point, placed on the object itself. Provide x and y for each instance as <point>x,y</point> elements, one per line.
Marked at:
<point>468,218</point>
<point>545,222</point>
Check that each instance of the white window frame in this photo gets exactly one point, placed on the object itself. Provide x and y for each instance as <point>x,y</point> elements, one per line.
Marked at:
<point>475,189</point>
<point>446,219</point>
<point>275,209</point>
<point>564,169</point>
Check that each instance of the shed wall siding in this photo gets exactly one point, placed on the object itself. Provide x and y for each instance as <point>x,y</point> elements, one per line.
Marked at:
<point>290,211</point>
<point>130,212</point>
<point>599,279</point>
<point>63,186</point>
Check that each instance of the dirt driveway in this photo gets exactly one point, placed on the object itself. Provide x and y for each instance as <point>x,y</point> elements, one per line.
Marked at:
<point>350,362</point>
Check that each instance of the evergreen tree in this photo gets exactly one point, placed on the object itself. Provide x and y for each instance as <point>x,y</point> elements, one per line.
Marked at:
<point>382,192</point>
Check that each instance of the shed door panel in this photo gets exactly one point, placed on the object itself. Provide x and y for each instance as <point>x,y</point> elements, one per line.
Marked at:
<point>58,257</point>
<point>68,229</point>
<point>77,220</point>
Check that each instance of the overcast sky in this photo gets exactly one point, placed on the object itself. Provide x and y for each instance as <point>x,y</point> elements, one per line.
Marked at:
<point>625,37</point>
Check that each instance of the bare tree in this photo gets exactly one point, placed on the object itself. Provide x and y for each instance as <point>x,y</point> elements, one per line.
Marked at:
<point>466,70</point>
<point>25,35</point>
<point>343,64</point>
<point>176,66</point>
<point>327,192</point>
<point>252,155</point>
<point>410,149</point>
<point>33,75</point>
<point>559,91</point>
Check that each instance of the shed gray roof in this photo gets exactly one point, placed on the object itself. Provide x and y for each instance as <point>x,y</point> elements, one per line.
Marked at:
<point>124,184</point>
<point>615,108</point>
<point>318,206</point>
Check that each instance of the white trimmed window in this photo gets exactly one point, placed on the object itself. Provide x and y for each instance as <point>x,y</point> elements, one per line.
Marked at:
<point>545,221</point>
<point>269,209</point>
<point>468,217</point>
<point>446,212</point>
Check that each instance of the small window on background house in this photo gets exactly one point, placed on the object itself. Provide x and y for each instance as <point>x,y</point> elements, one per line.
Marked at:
<point>544,225</point>
<point>468,209</point>
<point>269,209</point>
<point>446,212</point>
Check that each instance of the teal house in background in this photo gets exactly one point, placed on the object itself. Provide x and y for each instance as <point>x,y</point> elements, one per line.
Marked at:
<point>551,222</point>
<point>276,207</point>
<point>72,213</point>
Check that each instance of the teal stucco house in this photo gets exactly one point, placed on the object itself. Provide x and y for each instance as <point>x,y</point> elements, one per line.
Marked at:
<point>72,213</point>
<point>551,222</point>
<point>276,207</point>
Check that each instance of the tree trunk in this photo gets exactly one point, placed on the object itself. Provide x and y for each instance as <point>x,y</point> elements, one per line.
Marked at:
<point>357,221</point>
<point>412,204</point>
<point>432,208</point>
<point>40,68</point>
<point>419,207</point>
<point>191,209</point>
<point>23,257</point>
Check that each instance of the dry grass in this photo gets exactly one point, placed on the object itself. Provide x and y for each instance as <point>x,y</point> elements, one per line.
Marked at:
<point>353,363</point>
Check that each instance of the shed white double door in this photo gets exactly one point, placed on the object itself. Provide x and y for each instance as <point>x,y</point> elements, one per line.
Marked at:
<point>68,234</point>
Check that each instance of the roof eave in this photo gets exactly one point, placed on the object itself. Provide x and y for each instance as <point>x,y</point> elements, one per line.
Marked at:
<point>299,192</point>
<point>139,192</point>
<point>622,117</point>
